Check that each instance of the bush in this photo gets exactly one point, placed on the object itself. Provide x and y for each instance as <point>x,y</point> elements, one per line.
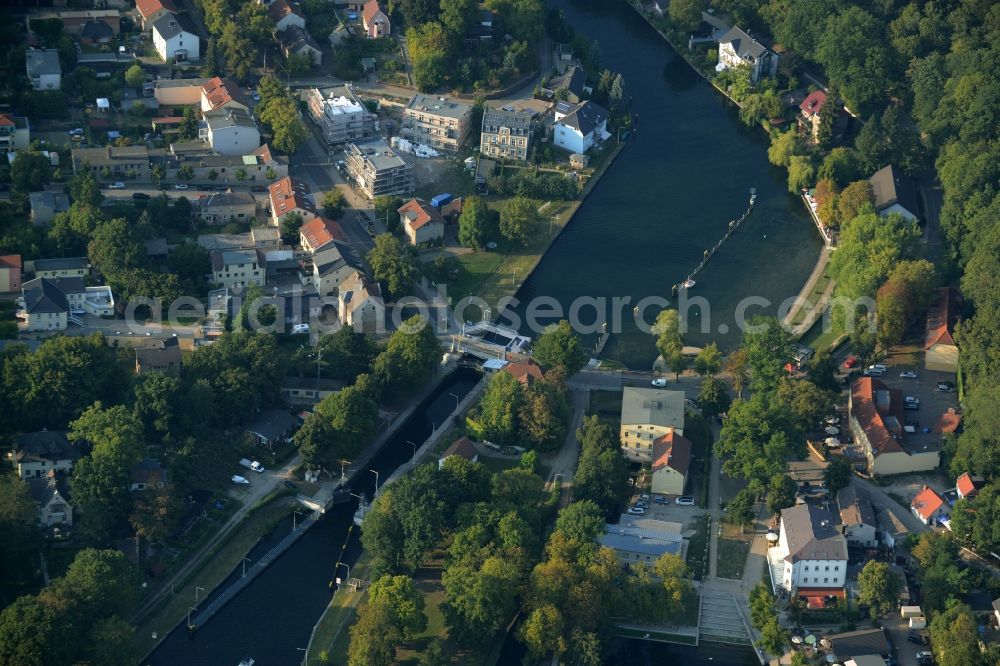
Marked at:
<point>525,184</point>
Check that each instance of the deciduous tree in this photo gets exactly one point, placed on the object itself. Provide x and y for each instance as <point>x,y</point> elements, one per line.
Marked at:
<point>393,264</point>
<point>879,588</point>
<point>518,219</point>
<point>560,346</point>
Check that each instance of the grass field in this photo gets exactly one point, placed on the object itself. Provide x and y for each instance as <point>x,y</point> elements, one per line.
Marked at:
<point>332,636</point>
<point>733,550</point>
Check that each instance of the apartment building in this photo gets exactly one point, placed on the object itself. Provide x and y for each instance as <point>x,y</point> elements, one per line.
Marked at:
<point>437,122</point>
<point>340,115</point>
<point>506,134</point>
<point>377,170</point>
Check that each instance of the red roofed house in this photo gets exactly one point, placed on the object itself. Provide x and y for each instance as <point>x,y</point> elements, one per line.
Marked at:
<point>809,113</point>
<point>375,20</point>
<point>928,506</point>
<point>876,419</point>
<point>10,273</point>
<point>286,14</point>
<point>463,447</point>
<point>15,132</point>
<point>316,234</point>
<point>150,10</point>
<point>290,196</point>
<point>671,459</point>
<point>219,93</point>
<point>526,373</point>
<point>941,352</point>
<point>421,221</point>
<point>949,422</point>
<point>968,485</point>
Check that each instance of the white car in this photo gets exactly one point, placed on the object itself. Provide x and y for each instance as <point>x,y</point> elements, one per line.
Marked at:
<point>180,186</point>
<point>636,510</point>
<point>907,374</point>
<point>686,500</point>
<point>240,480</point>
<point>300,328</point>
<point>117,186</point>
<point>659,382</point>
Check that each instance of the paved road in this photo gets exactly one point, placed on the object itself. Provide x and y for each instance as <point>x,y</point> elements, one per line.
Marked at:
<point>260,486</point>
<point>564,462</point>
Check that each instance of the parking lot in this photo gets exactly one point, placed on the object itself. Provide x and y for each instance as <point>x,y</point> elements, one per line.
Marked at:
<point>925,420</point>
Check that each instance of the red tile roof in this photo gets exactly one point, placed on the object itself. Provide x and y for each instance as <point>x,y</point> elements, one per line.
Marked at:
<point>288,195</point>
<point>813,103</point>
<point>942,317</point>
<point>878,410</point>
<point>320,231</point>
<point>524,372</point>
<point>149,7</point>
<point>926,503</point>
<point>6,120</point>
<point>673,451</point>
<point>371,8</point>
<point>219,92</point>
<point>279,9</point>
<point>968,485</point>
<point>949,421</point>
<point>10,261</point>
<point>416,213</point>
<point>462,447</point>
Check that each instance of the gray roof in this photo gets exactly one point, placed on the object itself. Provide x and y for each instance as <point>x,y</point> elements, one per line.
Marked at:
<point>856,643</point>
<point>574,80</point>
<point>891,523</point>
<point>42,61</point>
<point>893,187</point>
<point>57,201</point>
<point>228,199</point>
<point>312,383</point>
<point>378,154</point>
<point>855,507</point>
<point>229,117</point>
<point>645,542</point>
<point>811,534</point>
<point>587,116</point>
<point>439,106</point>
<point>653,406</point>
<point>97,30</point>
<point>518,122</point>
<point>223,258</point>
<point>45,445</point>
<point>294,38</point>
<point>271,424</point>
<point>334,256</point>
<point>44,488</point>
<point>61,264</point>
<point>170,25</point>
<point>43,295</point>
<point>743,44</point>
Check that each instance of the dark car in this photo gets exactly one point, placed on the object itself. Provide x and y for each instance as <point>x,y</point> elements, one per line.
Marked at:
<point>141,196</point>
<point>221,188</point>
<point>916,637</point>
<point>258,188</point>
<point>161,187</point>
<point>291,486</point>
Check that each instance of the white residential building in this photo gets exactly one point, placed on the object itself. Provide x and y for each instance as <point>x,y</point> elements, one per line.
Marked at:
<point>737,47</point>
<point>176,38</point>
<point>578,128</point>
<point>647,415</point>
<point>44,69</point>
<point>238,268</point>
<point>230,131</point>
<point>340,115</point>
<point>811,553</point>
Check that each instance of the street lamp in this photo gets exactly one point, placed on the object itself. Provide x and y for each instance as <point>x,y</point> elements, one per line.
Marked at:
<point>414,448</point>
<point>245,560</point>
<point>196,589</point>
<point>343,464</point>
<point>457,400</point>
<point>191,608</point>
<point>341,564</point>
<point>294,516</point>
<point>376,480</point>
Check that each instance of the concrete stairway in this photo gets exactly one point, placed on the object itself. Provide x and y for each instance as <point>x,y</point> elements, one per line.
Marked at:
<point>720,619</point>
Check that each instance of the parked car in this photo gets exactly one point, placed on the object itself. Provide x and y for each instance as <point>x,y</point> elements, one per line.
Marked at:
<point>76,132</point>
<point>300,328</point>
<point>117,186</point>
<point>907,374</point>
<point>878,366</point>
<point>659,382</point>
<point>851,361</point>
<point>693,404</point>
<point>642,505</point>
<point>925,658</point>
<point>258,188</point>
<point>644,496</point>
<point>221,188</point>
<point>180,186</point>
<point>946,387</point>
<point>636,510</point>
<point>685,500</point>
<point>660,499</point>
<point>291,486</point>
<point>871,372</point>
<point>140,196</point>
<point>911,402</point>
<point>240,480</point>
<point>917,637</point>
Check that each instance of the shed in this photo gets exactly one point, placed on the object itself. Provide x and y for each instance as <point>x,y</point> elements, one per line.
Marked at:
<point>368,65</point>
<point>441,200</point>
<point>579,161</point>
<point>103,104</point>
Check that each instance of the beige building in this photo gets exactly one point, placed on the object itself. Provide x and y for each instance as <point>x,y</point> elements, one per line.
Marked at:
<point>876,420</point>
<point>179,92</point>
<point>377,170</point>
<point>112,163</point>
<point>330,267</point>
<point>940,350</point>
<point>437,122</point>
<point>671,461</point>
<point>359,303</point>
<point>225,207</point>
<point>421,222</point>
<point>35,454</point>
<point>61,267</point>
<point>647,415</point>
<point>238,268</point>
<point>506,134</point>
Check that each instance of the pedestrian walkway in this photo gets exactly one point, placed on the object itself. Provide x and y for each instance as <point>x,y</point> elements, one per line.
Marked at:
<point>720,618</point>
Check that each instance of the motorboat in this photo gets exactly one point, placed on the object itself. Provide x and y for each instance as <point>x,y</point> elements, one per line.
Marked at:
<point>247,662</point>
<point>687,284</point>
<point>359,515</point>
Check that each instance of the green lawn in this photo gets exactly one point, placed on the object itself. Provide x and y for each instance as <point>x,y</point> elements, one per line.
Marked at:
<point>697,553</point>
<point>606,403</point>
<point>733,553</point>
<point>332,634</point>
<point>451,177</point>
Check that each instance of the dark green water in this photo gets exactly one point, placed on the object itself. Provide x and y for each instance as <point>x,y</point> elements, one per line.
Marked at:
<point>670,196</point>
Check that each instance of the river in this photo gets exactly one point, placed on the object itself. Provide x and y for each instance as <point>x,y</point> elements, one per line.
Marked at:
<point>274,617</point>
<point>670,195</point>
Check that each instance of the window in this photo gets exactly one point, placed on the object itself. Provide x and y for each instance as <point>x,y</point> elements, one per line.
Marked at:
<point>807,567</point>
<point>827,568</point>
<point>836,567</point>
<point>826,580</point>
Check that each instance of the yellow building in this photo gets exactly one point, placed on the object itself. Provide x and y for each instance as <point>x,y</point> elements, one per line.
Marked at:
<point>647,415</point>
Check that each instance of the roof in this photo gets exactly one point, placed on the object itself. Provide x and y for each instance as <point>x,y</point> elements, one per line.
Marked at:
<point>57,201</point>
<point>416,213</point>
<point>10,261</point>
<point>371,8</point>
<point>892,187</point>
<point>294,38</point>
<point>806,470</point>
<point>439,106</point>
<point>942,316</point>
<point>649,406</point>
<point>462,447</point>
<point>968,485</point>
<point>44,295</point>
<point>743,44</point>
<point>979,601</point>
<point>811,535</point>
<point>673,451</point>
<point>878,410</point>
<point>279,9</point>
<point>813,103</point>
<point>289,194</point>
<point>229,117</point>
<point>926,503</point>
<point>574,80</point>
<point>525,372</point>
<point>149,7</point>
<point>61,264</point>
<point>7,120</point>
<point>320,231</point>
<point>857,643</point>
<point>333,257</point>
<point>518,122</point>
<point>227,199</point>
<point>42,61</point>
<point>149,471</point>
<point>586,117</point>
<point>271,424</point>
<point>219,92</point>
<point>158,357</point>
<point>44,489</point>
<point>865,660</point>
<point>324,384</point>
<point>223,258</point>
<point>891,523</point>
<point>949,422</point>
<point>45,445</point>
<point>171,25</point>
<point>97,30</point>
<point>356,289</point>
<point>640,540</point>
<point>855,507</point>
<point>262,234</point>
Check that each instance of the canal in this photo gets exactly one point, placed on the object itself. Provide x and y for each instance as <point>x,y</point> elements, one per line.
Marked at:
<point>273,618</point>
<point>670,195</point>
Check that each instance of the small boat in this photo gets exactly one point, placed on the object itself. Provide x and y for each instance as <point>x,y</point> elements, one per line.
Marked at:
<point>247,662</point>
<point>359,515</point>
<point>687,284</point>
